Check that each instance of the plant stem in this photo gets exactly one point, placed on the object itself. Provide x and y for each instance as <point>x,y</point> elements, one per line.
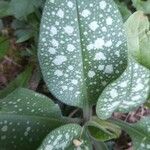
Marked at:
<point>87,110</point>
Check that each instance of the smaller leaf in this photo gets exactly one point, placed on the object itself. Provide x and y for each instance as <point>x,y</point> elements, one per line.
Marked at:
<point>20,81</point>
<point>4,9</point>
<point>128,92</point>
<point>100,145</point>
<point>21,132</point>
<point>103,130</point>
<point>138,37</point>
<point>125,12</point>
<point>143,5</point>
<point>21,8</point>
<point>26,102</point>
<point>68,137</point>
<point>139,132</point>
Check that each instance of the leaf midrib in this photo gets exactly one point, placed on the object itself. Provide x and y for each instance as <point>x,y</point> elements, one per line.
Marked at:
<point>31,116</point>
<point>85,102</point>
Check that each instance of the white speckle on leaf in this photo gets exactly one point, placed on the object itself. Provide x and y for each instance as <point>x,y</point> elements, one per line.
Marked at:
<point>51,50</point>
<point>70,47</point>
<point>4,128</point>
<point>108,43</point>
<point>64,87</point>
<point>109,69</point>
<point>55,43</point>
<point>59,59</point>
<point>70,4</point>
<point>103,4</point>
<point>53,30</point>
<point>101,67</point>
<point>58,73</point>
<point>49,147</point>
<point>60,13</point>
<point>90,47</point>
<point>123,84</point>
<point>91,74</point>
<point>104,29</point>
<point>117,53</point>
<point>86,13</point>
<point>70,67</point>
<point>99,43</point>
<point>99,56</point>
<point>109,21</point>
<point>74,81</point>
<point>113,93</point>
<point>69,29</point>
<point>93,25</point>
<point>52,1</point>
<point>138,87</point>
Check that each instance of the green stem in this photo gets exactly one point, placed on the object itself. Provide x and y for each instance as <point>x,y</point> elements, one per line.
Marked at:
<point>87,111</point>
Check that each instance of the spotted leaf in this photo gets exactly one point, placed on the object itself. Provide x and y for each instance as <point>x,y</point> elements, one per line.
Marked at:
<point>82,48</point>
<point>26,102</point>
<point>21,132</point>
<point>139,132</point>
<point>68,137</point>
<point>128,92</point>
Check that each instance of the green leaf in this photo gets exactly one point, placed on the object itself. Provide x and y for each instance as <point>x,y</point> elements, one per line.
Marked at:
<point>4,46</point>
<point>138,37</point>
<point>4,9</point>
<point>20,81</point>
<point>26,102</point>
<point>102,130</point>
<point>25,30</point>
<point>139,132</point>
<point>100,145</point>
<point>68,137</point>
<point>143,5</point>
<point>21,8</point>
<point>26,117</point>
<point>21,132</point>
<point>82,48</point>
<point>125,12</point>
<point>128,92</point>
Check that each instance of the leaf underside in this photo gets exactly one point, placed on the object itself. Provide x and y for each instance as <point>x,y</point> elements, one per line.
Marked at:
<point>128,92</point>
<point>138,37</point>
<point>139,132</point>
<point>66,137</point>
<point>82,48</point>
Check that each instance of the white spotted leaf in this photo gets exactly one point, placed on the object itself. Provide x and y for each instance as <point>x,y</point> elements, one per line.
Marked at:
<point>82,48</point>
<point>67,137</point>
<point>139,132</point>
<point>20,132</point>
<point>24,114</point>
<point>128,92</point>
<point>26,102</point>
